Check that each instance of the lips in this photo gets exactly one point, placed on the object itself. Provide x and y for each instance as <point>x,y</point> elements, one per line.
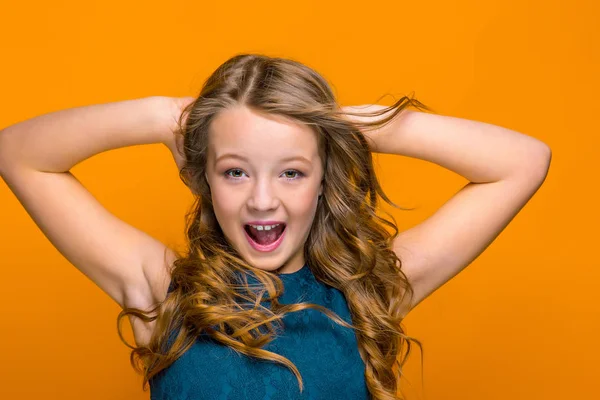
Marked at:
<point>266,241</point>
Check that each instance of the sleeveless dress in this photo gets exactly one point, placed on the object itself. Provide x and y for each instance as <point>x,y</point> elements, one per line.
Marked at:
<point>325,353</point>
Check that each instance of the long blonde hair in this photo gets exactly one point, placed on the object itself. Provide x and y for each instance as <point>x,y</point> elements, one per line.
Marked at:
<point>347,248</point>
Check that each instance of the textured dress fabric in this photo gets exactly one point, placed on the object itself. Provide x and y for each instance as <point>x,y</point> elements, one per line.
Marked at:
<point>325,353</point>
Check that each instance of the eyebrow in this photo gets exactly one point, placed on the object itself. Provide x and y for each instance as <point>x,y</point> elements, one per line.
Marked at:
<point>239,157</point>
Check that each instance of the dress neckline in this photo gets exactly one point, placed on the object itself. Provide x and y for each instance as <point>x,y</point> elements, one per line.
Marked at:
<point>301,272</point>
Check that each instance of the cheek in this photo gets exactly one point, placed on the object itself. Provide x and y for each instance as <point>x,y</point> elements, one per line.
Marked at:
<point>303,216</point>
<point>226,207</point>
<point>303,206</point>
<point>308,201</point>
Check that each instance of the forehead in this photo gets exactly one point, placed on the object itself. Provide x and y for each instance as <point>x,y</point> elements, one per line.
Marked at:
<point>253,133</point>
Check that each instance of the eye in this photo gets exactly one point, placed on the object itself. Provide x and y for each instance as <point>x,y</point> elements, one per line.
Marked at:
<point>297,175</point>
<point>229,176</point>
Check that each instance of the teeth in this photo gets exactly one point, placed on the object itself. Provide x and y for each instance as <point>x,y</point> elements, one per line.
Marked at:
<point>265,227</point>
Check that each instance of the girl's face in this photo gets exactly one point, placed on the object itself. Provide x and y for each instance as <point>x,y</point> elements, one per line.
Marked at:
<point>264,170</point>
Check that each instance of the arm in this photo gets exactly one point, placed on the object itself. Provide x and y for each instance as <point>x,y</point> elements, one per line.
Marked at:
<point>35,158</point>
<point>57,141</point>
<point>505,169</point>
<point>478,151</point>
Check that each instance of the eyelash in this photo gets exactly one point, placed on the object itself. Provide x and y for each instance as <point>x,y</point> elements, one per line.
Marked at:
<point>298,174</point>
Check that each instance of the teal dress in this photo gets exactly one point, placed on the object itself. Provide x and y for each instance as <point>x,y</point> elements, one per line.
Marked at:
<point>325,353</point>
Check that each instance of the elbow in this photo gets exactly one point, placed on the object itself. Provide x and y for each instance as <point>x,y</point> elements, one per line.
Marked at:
<point>538,164</point>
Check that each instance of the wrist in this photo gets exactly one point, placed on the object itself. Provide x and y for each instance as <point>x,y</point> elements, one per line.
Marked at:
<point>174,108</point>
<point>363,118</point>
<point>163,114</point>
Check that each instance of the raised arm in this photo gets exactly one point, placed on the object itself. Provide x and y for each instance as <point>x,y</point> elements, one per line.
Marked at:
<point>505,168</point>
<point>35,158</point>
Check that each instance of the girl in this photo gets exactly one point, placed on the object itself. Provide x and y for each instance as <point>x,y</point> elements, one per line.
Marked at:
<point>290,275</point>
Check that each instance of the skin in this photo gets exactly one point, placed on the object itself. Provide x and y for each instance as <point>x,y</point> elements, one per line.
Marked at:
<point>264,187</point>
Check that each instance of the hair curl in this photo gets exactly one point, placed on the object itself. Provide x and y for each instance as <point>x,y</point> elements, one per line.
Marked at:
<point>347,248</point>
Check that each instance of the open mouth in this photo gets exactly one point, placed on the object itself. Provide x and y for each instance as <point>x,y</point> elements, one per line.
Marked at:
<point>263,236</point>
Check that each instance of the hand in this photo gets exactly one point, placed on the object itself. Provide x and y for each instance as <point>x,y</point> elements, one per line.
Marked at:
<point>174,140</point>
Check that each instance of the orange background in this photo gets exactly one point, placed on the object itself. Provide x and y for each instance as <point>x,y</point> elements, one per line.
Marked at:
<point>519,323</point>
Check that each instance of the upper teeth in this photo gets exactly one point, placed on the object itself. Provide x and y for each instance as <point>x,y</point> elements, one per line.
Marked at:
<point>265,227</point>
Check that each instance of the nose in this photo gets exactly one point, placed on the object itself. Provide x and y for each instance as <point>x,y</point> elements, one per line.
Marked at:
<point>263,196</point>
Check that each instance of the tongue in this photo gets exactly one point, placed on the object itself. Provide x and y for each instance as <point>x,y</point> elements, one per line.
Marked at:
<point>265,237</point>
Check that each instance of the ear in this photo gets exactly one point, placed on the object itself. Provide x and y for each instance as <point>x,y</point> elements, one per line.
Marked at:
<point>321,189</point>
